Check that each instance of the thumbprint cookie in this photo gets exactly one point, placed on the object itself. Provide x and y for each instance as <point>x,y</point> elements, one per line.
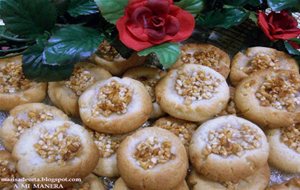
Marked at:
<point>56,149</point>
<point>270,98</point>
<point>285,148</point>
<point>24,117</point>
<point>110,59</point>
<point>257,181</point>
<point>152,158</point>
<point>149,77</point>
<point>193,92</point>
<point>115,105</point>
<point>15,89</point>
<point>65,94</point>
<point>259,58</point>
<point>206,55</point>
<point>228,148</point>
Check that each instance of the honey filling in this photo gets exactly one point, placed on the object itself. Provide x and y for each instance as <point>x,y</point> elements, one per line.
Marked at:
<point>112,98</point>
<point>33,117</point>
<point>196,86</point>
<point>80,80</point>
<point>58,146</point>
<point>107,144</point>
<point>207,58</point>
<point>262,61</point>
<point>12,78</point>
<point>152,152</point>
<point>107,52</point>
<point>291,137</point>
<point>229,140</point>
<point>281,92</point>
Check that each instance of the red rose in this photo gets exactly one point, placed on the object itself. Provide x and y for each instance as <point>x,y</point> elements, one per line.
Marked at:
<point>151,22</point>
<point>278,26</point>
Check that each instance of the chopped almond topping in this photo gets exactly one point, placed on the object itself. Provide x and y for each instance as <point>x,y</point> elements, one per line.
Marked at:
<point>262,61</point>
<point>33,117</point>
<point>229,140</point>
<point>107,144</point>
<point>80,80</point>
<point>196,86</point>
<point>152,152</point>
<point>280,92</point>
<point>12,78</point>
<point>106,51</point>
<point>291,137</point>
<point>112,98</point>
<point>58,146</point>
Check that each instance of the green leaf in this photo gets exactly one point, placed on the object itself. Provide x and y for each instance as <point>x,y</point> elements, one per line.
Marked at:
<point>278,5</point>
<point>236,2</point>
<point>297,40</point>
<point>224,18</point>
<point>28,18</point>
<point>167,53</point>
<point>36,68</point>
<point>82,7</point>
<point>60,5</point>
<point>192,6</point>
<point>254,3</point>
<point>290,49</point>
<point>72,43</point>
<point>112,10</point>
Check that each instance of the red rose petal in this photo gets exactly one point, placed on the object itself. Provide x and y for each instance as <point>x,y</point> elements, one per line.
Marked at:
<point>140,15</point>
<point>263,24</point>
<point>187,24</point>
<point>172,25</point>
<point>159,7</point>
<point>155,35</point>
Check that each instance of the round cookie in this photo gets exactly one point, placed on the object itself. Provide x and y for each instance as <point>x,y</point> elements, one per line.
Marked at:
<point>193,92</point>
<point>111,60</point>
<point>204,54</point>
<point>8,170</point>
<point>120,185</point>
<point>228,148</point>
<point>56,149</point>
<point>270,98</point>
<point>107,146</point>
<point>65,94</point>
<point>182,129</point>
<point>91,182</point>
<point>149,76</point>
<point>15,89</point>
<point>152,158</point>
<point>257,181</point>
<point>25,116</point>
<point>293,184</point>
<point>115,105</point>
<point>285,148</point>
<point>259,58</point>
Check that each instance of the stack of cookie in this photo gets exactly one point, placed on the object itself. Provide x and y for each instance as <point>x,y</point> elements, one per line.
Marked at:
<point>226,129</point>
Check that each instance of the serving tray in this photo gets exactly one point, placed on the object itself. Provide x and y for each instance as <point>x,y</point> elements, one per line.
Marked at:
<point>231,41</point>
